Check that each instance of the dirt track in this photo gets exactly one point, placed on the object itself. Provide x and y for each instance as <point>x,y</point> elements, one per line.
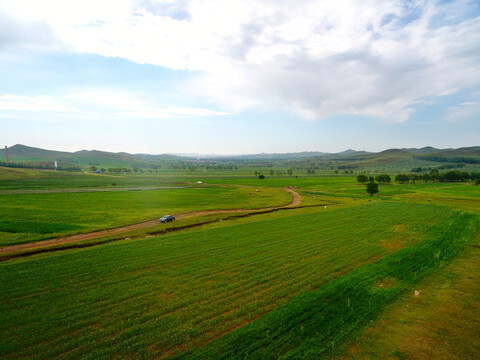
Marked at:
<point>122,229</point>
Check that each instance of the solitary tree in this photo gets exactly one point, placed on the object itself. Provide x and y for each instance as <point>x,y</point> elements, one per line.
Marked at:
<point>261,176</point>
<point>372,188</point>
<point>290,171</point>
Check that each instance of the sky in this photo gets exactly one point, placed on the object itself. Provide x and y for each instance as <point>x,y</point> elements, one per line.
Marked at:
<point>239,77</point>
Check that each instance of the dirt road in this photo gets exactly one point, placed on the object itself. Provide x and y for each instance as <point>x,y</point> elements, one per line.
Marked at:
<point>122,229</point>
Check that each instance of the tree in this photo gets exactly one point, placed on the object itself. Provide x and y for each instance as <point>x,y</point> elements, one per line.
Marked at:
<point>290,171</point>
<point>261,176</point>
<point>93,168</point>
<point>272,172</point>
<point>383,178</point>
<point>372,188</point>
<point>402,178</point>
<point>362,178</point>
<point>454,175</point>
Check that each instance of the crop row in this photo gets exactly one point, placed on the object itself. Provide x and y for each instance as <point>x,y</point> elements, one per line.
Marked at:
<point>159,296</point>
<point>311,324</point>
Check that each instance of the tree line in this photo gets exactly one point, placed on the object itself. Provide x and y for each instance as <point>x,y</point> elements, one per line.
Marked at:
<point>43,166</point>
<point>434,176</point>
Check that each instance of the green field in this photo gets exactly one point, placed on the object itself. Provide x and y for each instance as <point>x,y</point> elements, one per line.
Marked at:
<point>34,217</point>
<point>298,283</point>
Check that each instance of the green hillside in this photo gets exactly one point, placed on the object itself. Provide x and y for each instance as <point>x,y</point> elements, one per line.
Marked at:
<point>84,158</point>
<point>391,160</point>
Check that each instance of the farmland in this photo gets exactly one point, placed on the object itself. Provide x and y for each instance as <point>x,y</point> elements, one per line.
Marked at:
<point>300,283</point>
<point>39,216</point>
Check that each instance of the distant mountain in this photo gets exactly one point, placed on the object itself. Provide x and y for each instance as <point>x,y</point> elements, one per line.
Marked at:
<point>265,156</point>
<point>426,156</point>
<point>82,158</point>
<point>348,152</point>
<point>424,150</point>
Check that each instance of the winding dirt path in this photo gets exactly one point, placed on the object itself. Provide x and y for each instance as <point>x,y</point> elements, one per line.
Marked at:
<point>146,224</point>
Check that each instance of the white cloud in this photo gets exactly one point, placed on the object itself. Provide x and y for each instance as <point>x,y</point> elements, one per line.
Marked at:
<point>316,58</point>
<point>130,105</point>
<point>97,104</point>
<point>35,103</point>
<point>463,111</point>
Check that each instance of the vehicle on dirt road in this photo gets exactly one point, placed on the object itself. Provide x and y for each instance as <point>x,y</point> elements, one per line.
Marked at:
<point>166,218</point>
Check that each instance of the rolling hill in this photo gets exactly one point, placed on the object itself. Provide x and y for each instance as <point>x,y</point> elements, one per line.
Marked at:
<point>387,160</point>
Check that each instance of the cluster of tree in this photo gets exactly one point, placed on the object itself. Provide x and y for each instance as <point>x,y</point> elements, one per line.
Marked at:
<point>442,167</point>
<point>281,172</point>
<point>346,171</point>
<point>451,166</point>
<point>42,166</point>
<point>437,158</point>
<point>220,167</point>
<point>381,178</point>
<point>434,175</point>
<point>372,186</point>
<point>310,170</point>
<point>119,170</point>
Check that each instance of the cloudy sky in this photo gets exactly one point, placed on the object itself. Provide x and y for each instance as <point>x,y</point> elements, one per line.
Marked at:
<point>236,77</point>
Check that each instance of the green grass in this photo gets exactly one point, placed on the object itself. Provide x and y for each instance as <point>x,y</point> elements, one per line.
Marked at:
<point>31,217</point>
<point>440,321</point>
<point>310,325</point>
<point>189,293</point>
<point>159,296</point>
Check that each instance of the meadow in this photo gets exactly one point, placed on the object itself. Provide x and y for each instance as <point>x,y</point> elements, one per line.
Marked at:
<point>157,296</point>
<point>300,283</point>
<point>40,216</point>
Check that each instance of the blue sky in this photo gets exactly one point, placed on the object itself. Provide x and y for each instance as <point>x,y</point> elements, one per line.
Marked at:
<point>237,77</point>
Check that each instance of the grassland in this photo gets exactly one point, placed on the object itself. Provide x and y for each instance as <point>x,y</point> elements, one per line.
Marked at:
<point>437,319</point>
<point>154,297</point>
<point>34,217</point>
<point>299,283</point>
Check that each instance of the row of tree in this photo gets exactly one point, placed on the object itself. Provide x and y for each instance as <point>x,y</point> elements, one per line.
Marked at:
<point>42,166</point>
<point>433,175</point>
<point>277,172</point>
<point>381,179</point>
